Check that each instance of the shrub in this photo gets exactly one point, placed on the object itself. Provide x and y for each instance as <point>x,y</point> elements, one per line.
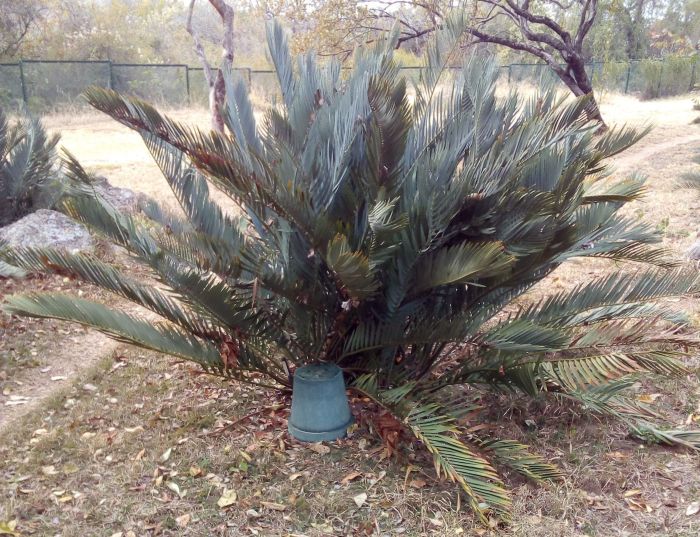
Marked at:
<point>611,76</point>
<point>663,78</point>
<point>29,177</point>
<point>392,238</point>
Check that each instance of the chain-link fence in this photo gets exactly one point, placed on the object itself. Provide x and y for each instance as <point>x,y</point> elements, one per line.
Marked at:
<point>50,85</point>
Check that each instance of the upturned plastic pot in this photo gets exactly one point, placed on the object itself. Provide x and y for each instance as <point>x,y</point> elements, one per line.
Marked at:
<point>320,409</point>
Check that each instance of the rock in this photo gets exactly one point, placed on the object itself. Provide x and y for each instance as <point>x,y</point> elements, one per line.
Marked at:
<point>694,251</point>
<point>122,199</point>
<point>48,229</point>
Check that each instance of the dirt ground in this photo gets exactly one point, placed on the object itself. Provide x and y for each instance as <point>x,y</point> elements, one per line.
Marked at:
<point>101,439</point>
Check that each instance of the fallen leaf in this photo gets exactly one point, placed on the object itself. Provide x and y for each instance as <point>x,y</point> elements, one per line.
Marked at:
<point>133,429</point>
<point>618,455</point>
<point>49,470</point>
<point>633,492</point>
<point>693,509</point>
<point>638,505</point>
<point>417,483</point>
<point>274,506</point>
<point>183,520</point>
<point>195,471</point>
<point>89,387</point>
<point>320,449</point>
<point>227,499</point>
<point>324,527</point>
<point>436,522</point>
<point>166,455</point>
<point>7,527</point>
<point>174,487</point>
<point>58,377</point>
<point>649,397</point>
<point>350,477</point>
<point>377,479</point>
<point>16,402</point>
<point>360,499</point>
<point>70,468</point>
<point>295,476</point>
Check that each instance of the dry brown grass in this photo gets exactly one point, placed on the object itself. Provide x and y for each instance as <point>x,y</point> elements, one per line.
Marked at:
<point>87,462</point>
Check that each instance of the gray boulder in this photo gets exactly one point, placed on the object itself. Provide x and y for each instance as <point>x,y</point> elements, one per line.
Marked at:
<point>48,229</point>
<point>122,199</point>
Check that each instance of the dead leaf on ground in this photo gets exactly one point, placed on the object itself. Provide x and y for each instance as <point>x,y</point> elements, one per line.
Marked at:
<point>166,455</point>
<point>693,509</point>
<point>638,505</point>
<point>417,483</point>
<point>274,506</point>
<point>49,470</point>
<point>174,487</point>
<point>350,477</point>
<point>183,520</point>
<point>436,522</point>
<point>195,471</point>
<point>7,527</point>
<point>319,448</point>
<point>360,499</point>
<point>228,498</point>
<point>648,397</point>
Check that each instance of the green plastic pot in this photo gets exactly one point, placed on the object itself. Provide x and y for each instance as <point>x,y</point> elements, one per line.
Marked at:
<point>320,409</point>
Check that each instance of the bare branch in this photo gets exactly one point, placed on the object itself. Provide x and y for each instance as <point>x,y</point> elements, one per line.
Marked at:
<point>198,48</point>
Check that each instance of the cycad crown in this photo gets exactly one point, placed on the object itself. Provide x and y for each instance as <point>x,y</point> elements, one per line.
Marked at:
<point>29,177</point>
<point>390,230</point>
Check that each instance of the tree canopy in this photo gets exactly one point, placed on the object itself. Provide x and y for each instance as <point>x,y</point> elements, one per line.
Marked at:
<point>155,30</point>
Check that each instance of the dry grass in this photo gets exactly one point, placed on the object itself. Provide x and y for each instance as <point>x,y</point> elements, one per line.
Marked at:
<point>88,461</point>
<point>91,462</point>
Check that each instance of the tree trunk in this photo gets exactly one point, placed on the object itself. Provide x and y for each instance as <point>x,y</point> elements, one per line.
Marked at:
<point>216,83</point>
<point>217,96</point>
<point>578,81</point>
<point>217,101</point>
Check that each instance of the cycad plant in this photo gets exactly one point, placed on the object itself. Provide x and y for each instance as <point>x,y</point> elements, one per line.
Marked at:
<point>393,232</point>
<point>28,168</point>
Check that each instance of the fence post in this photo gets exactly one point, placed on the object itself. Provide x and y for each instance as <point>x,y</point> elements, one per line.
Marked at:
<point>22,82</point>
<point>250,77</point>
<point>187,83</point>
<point>692,76</point>
<point>661,77</point>
<point>509,69</point>
<point>110,82</point>
<point>627,81</point>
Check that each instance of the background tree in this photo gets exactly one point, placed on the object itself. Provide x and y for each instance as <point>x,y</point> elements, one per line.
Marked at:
<point>15,23</point>
<point>534,29</point>
<point>215,80</point>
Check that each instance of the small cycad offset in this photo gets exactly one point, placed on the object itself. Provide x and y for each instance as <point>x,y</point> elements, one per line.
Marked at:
<point>29,175</point>
<point>394,231</point>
